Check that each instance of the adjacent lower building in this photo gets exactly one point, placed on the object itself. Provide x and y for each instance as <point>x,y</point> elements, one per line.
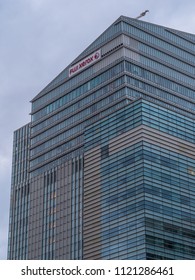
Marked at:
<point>106,167</point>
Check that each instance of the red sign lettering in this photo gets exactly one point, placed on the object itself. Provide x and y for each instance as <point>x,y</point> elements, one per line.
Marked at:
<point>84,63</point>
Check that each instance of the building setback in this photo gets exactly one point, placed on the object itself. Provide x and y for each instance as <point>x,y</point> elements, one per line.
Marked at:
<point>106,167</point>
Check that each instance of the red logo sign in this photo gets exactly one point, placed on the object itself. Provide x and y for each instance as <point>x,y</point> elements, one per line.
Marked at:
<point>84,63</point>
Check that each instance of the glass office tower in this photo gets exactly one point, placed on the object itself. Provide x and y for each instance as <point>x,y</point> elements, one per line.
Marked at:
<point>111,153</point>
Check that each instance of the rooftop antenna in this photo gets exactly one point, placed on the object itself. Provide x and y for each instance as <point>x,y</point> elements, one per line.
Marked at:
<point>142,14</point>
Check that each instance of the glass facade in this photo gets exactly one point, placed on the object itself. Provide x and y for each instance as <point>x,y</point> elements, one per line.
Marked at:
<point>105,169</point>
<point>20,195</point>
<point>142,203</point>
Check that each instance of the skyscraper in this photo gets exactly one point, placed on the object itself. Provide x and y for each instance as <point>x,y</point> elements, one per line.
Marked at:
<point>106,168</point>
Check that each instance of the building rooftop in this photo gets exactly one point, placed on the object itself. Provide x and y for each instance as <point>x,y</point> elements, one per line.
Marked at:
<point>115,30</point>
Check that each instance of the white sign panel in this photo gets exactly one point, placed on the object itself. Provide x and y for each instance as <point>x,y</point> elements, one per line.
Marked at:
<point>85,62</point>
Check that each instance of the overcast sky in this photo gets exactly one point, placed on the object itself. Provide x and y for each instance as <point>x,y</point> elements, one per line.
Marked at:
<point>38,38</point>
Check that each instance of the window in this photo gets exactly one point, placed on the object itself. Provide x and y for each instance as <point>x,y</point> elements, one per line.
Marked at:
<point>105,151</point>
